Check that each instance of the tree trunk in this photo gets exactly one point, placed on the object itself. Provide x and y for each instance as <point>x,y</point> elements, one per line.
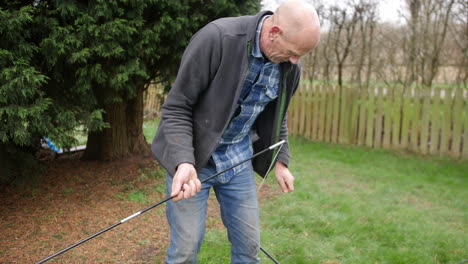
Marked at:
<point>411,75</point>
<point>124,137</point>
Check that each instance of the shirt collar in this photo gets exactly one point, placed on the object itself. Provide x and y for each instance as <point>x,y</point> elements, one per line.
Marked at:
<point>256,52</point>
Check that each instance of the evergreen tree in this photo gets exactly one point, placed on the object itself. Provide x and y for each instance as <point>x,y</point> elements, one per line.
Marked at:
<point>85,64</point>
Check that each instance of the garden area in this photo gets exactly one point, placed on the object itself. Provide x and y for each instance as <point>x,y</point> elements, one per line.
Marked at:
<point>351,205</point>
<point>378,131</point>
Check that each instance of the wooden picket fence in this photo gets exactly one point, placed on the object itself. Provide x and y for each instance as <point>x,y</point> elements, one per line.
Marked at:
<point>427,121</point>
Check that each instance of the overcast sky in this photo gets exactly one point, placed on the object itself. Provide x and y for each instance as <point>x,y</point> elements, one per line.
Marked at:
<point>388,9</point>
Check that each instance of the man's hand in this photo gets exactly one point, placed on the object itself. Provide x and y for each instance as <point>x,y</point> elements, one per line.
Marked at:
<point>185,183</point>
<point>284,177</point>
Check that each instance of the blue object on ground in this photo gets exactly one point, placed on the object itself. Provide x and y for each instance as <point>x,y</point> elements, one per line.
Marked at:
<point>52,146</point>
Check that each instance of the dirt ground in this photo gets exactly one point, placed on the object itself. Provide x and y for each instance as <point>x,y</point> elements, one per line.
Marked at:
<point>75,199</point>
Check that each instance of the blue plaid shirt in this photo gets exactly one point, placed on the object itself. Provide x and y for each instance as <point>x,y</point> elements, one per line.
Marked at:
<point>260,87</point>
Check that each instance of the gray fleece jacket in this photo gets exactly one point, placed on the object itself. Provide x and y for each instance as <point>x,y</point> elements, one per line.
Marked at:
<point>204,97</point>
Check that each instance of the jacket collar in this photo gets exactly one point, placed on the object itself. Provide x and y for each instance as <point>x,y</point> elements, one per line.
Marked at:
<point>252,33</point>
<point>253,28</point>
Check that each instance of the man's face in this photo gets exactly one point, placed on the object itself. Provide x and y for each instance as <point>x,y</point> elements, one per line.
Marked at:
<point>286,49</point>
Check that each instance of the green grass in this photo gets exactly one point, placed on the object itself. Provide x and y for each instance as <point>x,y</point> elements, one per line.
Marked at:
<point>149,172</point>
<point>138,196</point>
<point>68,190</point>
<point>355,205</point>
<point>149,129</point>
<point>359,205</point>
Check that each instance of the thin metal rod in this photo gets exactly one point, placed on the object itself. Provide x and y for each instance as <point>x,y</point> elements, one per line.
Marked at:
<point>260,186</point>
<point>270,256</point>
<point>269,168</point>
<point>78,243</point>
<point>153,206</point>
<point>258,190</point>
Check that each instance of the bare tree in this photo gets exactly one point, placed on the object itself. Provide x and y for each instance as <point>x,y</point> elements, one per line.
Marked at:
<point>458,31</point>
<point>311,61</point>
<point>414,7</point>
<point>366,19</point>
<point>343,21</point>
<point>388,55</point>
<point>428,23</point>
<point>355,46</point>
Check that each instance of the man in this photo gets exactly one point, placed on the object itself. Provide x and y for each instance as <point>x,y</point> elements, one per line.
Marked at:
<point>229,99</point>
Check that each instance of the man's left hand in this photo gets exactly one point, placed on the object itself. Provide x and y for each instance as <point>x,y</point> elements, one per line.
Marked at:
<point>284,177</point>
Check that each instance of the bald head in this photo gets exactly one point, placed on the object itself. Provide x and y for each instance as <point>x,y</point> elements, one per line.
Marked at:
<point>291,32</point>
<point>296,17</point>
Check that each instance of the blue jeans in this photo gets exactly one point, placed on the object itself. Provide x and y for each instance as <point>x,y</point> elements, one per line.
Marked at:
<point>237,198</point>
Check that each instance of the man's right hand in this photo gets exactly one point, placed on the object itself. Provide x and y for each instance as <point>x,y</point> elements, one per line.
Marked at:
<point>185,183</point>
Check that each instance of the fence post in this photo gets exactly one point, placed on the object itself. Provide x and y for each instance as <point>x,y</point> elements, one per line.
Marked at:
<point>344,116</point>
<point>446,130</point>
<point>457,123</point>
<point>435,122</point>
<point>406,117</point>
<point>362,97</point>
<point>378,118</point>
<point>336,114</point>
<point>291,115</point>
<point>370,118</point>
<point>315,124</point>
<point>153,98</point>
<point>415,120</point>
<point>328,115</point>
<point>304,108</point>
<point>389,106</point>
<point>354,119</point>
<point>309,115</point>
<point>396,116</point>
<point>321,97</point>
<point>426,97</point>
<point>465,135</point>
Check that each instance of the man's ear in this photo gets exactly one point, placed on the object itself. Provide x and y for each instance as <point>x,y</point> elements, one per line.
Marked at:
<point>274,32</point>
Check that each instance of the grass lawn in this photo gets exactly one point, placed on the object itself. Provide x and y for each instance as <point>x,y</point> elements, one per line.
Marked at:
<point>359,205</point>
<point>149,129</point>
<point>355,205</point>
